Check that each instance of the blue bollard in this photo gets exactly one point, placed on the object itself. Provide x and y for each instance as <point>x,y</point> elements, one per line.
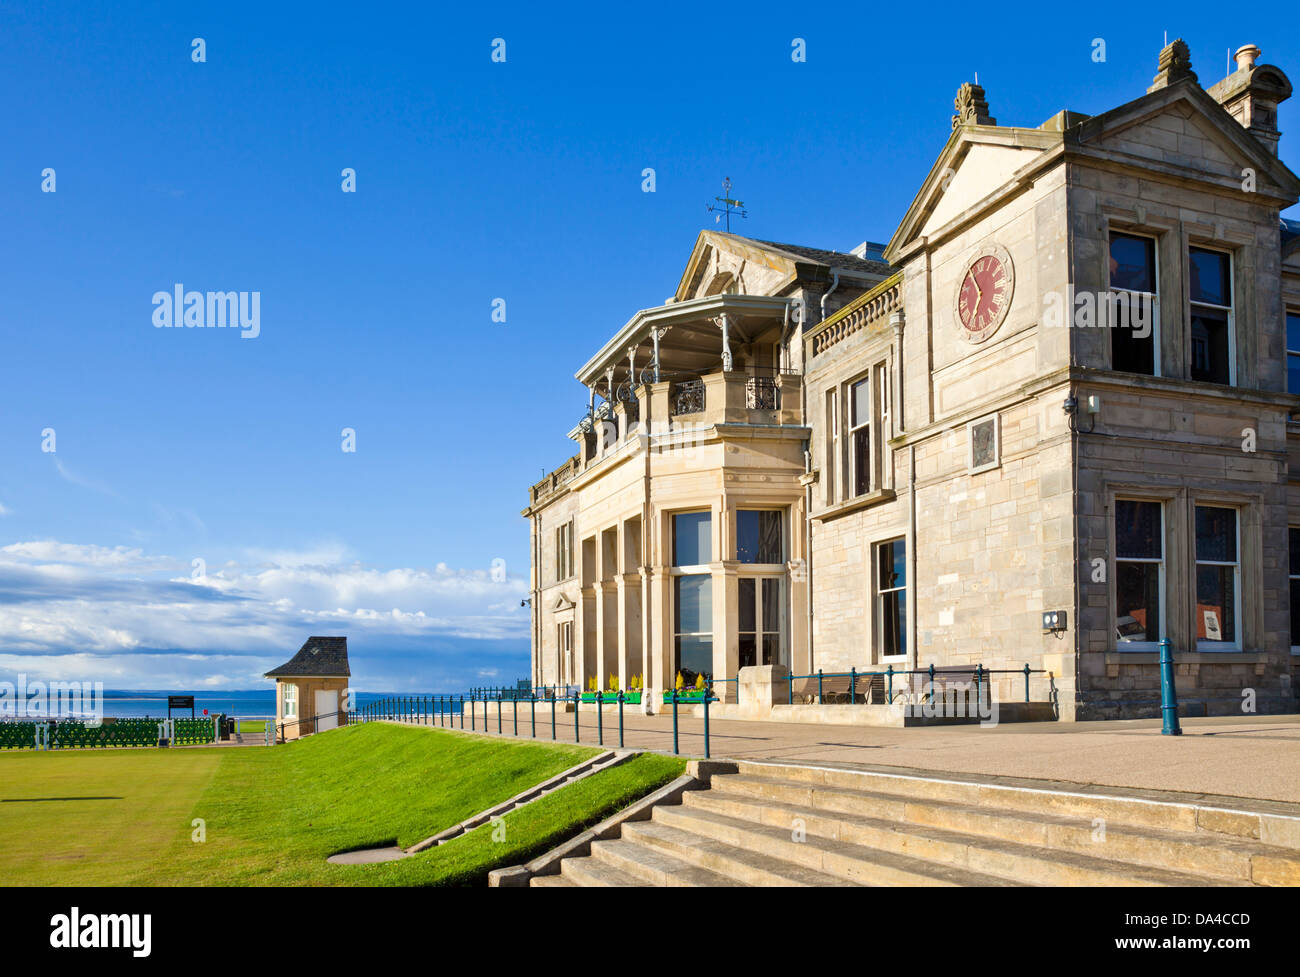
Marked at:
<point>708,695</point>
<point>620,719</point>
<point>675,749</point>
<point>1168,692</point>
<point>600,719</point>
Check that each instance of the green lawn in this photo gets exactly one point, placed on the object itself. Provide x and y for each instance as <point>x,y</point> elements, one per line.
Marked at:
<point>272,815</point>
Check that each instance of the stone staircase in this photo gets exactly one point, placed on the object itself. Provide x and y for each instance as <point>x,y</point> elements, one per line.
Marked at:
<point>779,824</point>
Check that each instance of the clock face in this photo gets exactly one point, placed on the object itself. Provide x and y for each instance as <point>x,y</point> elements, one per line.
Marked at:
<point>984,293</point>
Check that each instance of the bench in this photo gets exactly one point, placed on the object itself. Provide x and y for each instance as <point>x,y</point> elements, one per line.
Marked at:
<point>840,688</point>
<point>949,682</point>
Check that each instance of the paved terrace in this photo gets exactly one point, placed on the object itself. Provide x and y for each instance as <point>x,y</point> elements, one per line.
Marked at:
<point>1248,757</point>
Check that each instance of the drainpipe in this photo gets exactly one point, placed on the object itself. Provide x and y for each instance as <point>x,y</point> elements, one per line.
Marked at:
<point>911,552</point>
<point>808,551</point>
<point>835,283</point>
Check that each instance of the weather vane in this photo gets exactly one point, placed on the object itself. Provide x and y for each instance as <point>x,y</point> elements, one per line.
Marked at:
<point>725,206</point>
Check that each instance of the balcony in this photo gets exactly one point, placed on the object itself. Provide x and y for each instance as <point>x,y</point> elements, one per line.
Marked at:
<point>734,397</point>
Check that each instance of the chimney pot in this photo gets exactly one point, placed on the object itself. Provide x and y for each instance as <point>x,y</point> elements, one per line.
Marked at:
<point>1245,56</point>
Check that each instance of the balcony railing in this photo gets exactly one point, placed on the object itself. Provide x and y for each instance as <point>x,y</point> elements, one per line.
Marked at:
<point>761,393</point>
<point>688,397</point>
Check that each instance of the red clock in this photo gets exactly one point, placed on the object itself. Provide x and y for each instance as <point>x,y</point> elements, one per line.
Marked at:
<point>984,293</point>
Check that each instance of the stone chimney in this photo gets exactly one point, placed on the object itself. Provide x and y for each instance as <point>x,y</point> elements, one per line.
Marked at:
<point>1175,65</point>
<point>1251,95</point>
<point>971,107</point>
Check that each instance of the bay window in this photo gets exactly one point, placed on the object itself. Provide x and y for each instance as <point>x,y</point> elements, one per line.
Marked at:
<point>692,597</point>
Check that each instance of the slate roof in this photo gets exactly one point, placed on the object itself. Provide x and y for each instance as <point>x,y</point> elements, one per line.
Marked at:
<point>834,259</point>
<point>318,656</point>
<point>1290,231</point>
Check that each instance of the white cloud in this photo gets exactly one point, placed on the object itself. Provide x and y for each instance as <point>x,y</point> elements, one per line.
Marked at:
<point>139,616</point>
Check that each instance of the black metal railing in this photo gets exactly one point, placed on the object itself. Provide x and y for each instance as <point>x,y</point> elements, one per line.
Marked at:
<point>688,397</point>
<point>761,393</point>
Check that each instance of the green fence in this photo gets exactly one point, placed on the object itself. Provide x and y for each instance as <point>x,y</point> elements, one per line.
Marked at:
<point>76,734</point>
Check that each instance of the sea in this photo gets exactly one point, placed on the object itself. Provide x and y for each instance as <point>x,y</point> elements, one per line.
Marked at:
<point>127,703</point>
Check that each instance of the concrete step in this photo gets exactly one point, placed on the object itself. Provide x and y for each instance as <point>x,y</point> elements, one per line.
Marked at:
<point>841,858</point>
<point>551,882</point>
<point>1185,813</point>
<point>739,866</point>
<point>587,871</point>
<point>1198,853</point>
<point>654,866</point>
<point>997,856</point>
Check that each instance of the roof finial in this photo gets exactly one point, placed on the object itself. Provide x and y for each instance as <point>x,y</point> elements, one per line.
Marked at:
<point>972,109</point>
<point>1175,65</point>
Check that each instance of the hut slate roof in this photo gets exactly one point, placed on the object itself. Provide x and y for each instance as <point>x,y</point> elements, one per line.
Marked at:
<point>324,656</point>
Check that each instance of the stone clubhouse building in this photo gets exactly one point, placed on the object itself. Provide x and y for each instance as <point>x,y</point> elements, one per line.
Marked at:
<point>1049,423</point>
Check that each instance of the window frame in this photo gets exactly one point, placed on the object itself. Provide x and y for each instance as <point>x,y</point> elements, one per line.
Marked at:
<point>878,600</point>
<point>1293,573</point>
<point>832,445</point>
<point>289,700</point>
<point>672,541</point>
<point>1162,574</point>
<point>1288,314</point>
<point>564,562</point>
<point>761,630</point>
<point>781,514</point>
<point>850,403</point>
<point>1112,289</point>
<point>1230,309</point>
<point>1236,644</point>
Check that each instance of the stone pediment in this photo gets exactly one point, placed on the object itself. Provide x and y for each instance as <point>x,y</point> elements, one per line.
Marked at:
<point>563,603</point>
<point>1182,131</point>
<point>730,264</point>
<point>977,161</point>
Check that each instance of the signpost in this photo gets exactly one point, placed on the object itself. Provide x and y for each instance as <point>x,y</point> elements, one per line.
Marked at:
<point>180,702</point>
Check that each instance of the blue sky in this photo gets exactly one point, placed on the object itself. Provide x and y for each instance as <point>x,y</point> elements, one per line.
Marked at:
<point>475,181</point>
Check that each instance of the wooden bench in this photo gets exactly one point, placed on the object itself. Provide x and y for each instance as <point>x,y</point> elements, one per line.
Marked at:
<point>840,688</point>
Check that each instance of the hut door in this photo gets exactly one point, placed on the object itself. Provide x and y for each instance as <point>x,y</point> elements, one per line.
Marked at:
<point>327,704</point>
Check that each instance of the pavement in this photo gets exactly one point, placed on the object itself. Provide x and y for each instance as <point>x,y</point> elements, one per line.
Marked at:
<point>1255,757</point>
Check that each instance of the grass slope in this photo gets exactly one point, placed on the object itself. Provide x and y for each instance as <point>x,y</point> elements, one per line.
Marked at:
<point>380,784</point>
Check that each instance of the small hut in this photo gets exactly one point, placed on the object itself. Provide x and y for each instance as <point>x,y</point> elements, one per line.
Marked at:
<point>310,688</point>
